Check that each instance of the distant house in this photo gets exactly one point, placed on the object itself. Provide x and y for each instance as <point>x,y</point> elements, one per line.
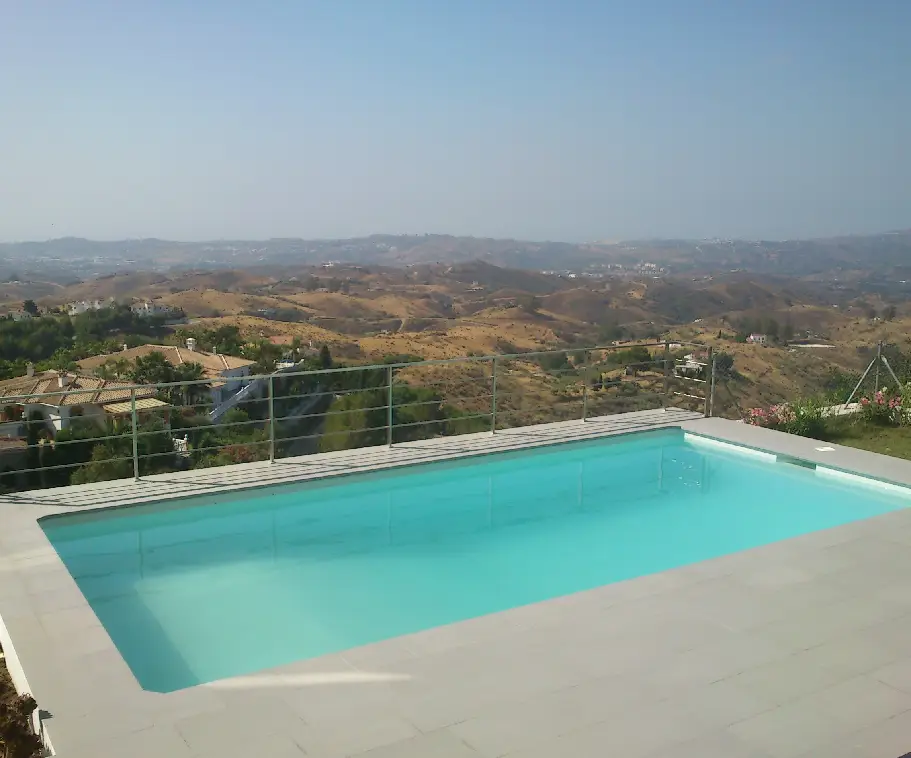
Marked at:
<point>79,307</point>
<point>758,339</point>
<point>17,315</point>
<point>59,397</point>
<point>225,373</point>
<point>149,309</point>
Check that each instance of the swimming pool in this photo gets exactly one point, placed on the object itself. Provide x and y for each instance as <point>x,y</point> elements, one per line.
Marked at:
<point>201,589</point>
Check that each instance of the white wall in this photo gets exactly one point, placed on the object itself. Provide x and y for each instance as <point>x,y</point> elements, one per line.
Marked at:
<point>55,418</point>
<point>59,418</point>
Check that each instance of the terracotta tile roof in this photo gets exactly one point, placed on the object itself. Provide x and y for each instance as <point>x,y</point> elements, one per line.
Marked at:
<point>79,390</point>
<point>213,364</point>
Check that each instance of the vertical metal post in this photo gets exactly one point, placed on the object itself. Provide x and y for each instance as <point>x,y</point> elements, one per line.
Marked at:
<point>712,388</point>
<point>271,419</point>
<point>667,372</point>
<point>711,362</point>
<point>585,380</point>
<point>389,409</point>
<point>879,360</point>
<point>134,419</point>
<point>493,396</point>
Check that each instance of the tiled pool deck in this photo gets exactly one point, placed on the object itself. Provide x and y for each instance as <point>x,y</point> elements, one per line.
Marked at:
<point>799,648</point>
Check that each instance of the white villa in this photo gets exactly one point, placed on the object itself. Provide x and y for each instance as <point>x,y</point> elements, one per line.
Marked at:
<point>84,306</point>
<point>60,397</point>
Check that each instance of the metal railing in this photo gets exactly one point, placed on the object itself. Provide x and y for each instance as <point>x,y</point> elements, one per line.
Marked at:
<point>314,410</point>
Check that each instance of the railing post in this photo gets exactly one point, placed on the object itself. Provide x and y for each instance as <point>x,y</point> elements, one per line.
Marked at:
<point>667,372</point>
<point>712,388</point>
<point>493,396</point>
<point>271,419</point>
<point>135,422</point>
<point>706,411</point>
<point>584,399</point>
<point>389,409</point>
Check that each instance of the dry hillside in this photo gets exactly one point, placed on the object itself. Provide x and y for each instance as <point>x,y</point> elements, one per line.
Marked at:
<point>475,308</point>
<point>772,374</point>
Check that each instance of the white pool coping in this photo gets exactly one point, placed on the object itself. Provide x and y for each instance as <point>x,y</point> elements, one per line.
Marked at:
<point>463,689</point>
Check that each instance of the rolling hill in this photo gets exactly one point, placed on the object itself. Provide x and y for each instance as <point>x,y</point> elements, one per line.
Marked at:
<point>876,259</point>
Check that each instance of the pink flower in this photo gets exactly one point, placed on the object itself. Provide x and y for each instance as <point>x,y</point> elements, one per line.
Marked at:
<point>865,401</point>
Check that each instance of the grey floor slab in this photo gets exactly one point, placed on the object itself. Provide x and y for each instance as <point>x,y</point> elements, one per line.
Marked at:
<point>798,649</point>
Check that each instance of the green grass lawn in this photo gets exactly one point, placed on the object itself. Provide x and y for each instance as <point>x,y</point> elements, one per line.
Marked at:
<point>888,440</point>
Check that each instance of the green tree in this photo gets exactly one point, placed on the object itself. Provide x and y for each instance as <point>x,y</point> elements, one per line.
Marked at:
<point>554,362</point>
<point>724,365</point>
<point>264,356</point>
<point>30,307</point>
<point>610,333</point>
<point>637,354</point>
<point>787,331</point>
<point>154,368</point>
<point>325,357</point>
<point>61,360</point>
<point>772,328</point>
<point>113,459</point>
<point>890,312</point>
<point>73,447</point>
<point>107,462</point>
<point>115,368</point>
<point>235,440</point>
<point>226,339</point>
<point>355,420</point>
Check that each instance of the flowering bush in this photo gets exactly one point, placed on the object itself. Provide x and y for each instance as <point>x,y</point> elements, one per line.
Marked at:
<point>887,408</point>
<point>803,417</point>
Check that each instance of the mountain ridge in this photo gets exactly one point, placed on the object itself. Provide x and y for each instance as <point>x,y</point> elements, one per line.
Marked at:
<point>884,255</point>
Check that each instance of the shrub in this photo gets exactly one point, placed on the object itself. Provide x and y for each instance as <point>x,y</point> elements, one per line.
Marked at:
<point>887,408</point>
<point>553,362</point>
<point>805,418</point>
<point>17,740</point>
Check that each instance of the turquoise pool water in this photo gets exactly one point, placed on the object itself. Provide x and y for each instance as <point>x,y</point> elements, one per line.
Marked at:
<point>235,584</point>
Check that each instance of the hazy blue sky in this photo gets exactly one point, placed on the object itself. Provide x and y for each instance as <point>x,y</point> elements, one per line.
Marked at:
<point>558,119</point>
